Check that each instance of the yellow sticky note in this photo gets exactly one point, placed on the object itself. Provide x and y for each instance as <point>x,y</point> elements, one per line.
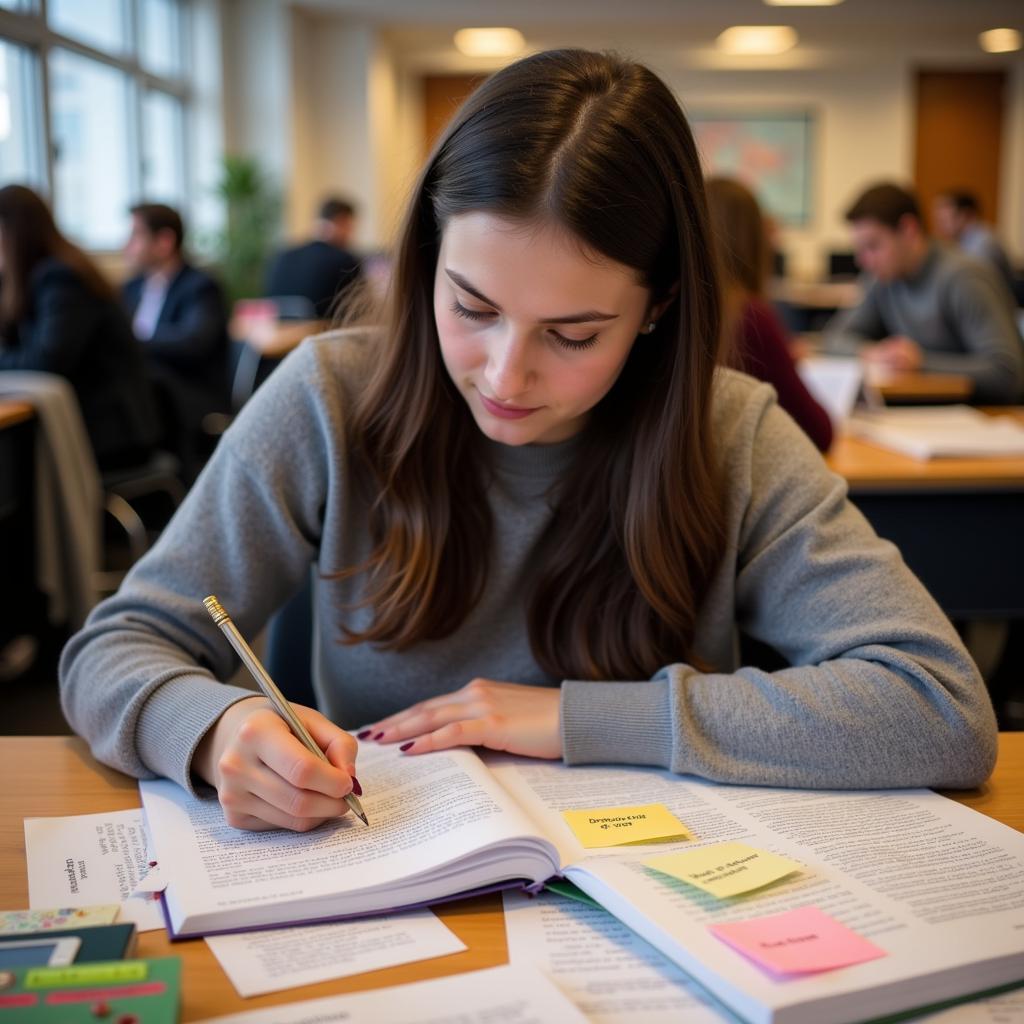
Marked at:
<point>625,826</point>
<point>725,869</point>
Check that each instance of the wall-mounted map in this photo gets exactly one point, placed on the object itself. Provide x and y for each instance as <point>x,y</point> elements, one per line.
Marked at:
<point>770,153</point>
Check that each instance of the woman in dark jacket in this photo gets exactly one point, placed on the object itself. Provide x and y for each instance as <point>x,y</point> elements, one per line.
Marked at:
<point>59,315</point>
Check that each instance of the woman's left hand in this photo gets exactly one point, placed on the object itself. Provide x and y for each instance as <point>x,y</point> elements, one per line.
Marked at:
<point>484,713</point>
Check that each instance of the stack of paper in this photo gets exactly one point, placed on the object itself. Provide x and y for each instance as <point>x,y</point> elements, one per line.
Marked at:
<point>941,431</point>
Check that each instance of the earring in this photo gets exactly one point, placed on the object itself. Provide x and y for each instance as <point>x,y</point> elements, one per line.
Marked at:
<point>649,329</point>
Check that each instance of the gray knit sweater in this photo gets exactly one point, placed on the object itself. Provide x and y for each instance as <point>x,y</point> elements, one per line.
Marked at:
<point>956,310</point>
<point>880,692</point>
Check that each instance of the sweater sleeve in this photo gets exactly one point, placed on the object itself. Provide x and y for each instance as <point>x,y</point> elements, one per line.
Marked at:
<point>880,691</point>
<point>993,357</point>
<point>849,329</point>
<point>142,681</point>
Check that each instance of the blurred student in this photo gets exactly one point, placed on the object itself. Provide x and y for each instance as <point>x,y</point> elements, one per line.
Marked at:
<point>59,315</point>
<point>926,307</point>
<point>179,315</point>
<point>323,268</point>
<point>957,218</point>
<point>754,332</point>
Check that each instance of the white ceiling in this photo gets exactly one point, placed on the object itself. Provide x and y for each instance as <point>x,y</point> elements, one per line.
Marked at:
<point>856,32</point>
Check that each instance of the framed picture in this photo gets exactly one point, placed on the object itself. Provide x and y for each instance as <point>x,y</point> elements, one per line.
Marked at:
<point>770,153</point>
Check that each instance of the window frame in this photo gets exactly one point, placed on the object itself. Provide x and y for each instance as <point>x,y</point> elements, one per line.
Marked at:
<point>30,28</point>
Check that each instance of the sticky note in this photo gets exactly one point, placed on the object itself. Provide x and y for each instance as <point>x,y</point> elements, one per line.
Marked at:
<point>56,918</point>
<point>725,869</point>
<point>625,826</point>
<point>797,942</point>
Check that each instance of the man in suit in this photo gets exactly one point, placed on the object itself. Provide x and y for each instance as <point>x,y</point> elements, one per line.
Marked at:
<point>179,317</point>
<point>926,307</point>
<point>323,268</point>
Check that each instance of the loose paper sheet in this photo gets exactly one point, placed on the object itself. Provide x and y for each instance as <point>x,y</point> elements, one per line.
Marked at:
<point>268,961</point>
<point>509,995</point>
<point>87,859</point>
<point>600,827</point>
<point>798,942</point>
<point>608,971</point>
<point>725,869</point>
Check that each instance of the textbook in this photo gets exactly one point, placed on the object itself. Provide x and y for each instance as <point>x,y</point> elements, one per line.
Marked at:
<point>948,431</point>
<point>938,887</point>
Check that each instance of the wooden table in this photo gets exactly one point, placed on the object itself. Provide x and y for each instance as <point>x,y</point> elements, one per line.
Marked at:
<point>49,775</point>
<point>957,522</point>
<point>14,411</point>
<point>922,388</point>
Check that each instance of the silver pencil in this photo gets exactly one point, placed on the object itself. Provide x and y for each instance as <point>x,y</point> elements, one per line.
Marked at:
<point>270,690</point>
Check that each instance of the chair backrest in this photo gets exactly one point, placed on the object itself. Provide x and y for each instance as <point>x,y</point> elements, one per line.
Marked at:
<point>289,656</point>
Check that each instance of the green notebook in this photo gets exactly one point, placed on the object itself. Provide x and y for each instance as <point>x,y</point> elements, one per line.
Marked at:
<point>149,990</point>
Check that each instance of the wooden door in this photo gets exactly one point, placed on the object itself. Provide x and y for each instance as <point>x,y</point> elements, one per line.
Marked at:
<point>959,136</point>
<point>442,96</point>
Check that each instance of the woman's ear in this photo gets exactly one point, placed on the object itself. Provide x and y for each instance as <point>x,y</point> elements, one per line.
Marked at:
<point>657,309</point>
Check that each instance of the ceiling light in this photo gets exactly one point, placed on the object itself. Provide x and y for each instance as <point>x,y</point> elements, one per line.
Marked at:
<point>803,3</point>
<point>489,42</point>
<point>757,40</point>
<point>1000,40</point>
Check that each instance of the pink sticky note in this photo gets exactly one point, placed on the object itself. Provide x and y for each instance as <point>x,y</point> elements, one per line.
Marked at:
<point>797,942</point>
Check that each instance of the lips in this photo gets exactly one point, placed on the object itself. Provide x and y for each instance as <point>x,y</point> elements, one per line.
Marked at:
<point>505,412</point>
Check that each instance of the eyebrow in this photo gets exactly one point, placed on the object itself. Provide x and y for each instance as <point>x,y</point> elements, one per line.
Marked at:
<point>586,317</point>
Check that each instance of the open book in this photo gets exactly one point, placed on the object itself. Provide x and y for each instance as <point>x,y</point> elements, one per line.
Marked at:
<point>937,886</point>
<point>945,431</point>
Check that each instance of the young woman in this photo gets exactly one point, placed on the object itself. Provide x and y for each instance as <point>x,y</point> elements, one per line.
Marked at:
<point>59,315</point>
<point>753,328</point>
<point>539,515</point>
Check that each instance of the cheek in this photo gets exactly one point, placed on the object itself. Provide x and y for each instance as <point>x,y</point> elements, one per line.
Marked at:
<point>461,348</point>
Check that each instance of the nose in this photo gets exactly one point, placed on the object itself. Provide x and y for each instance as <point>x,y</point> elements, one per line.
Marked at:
<point>508,370</point>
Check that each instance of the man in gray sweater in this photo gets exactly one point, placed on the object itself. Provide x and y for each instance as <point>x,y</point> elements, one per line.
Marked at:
<point>925,307</point>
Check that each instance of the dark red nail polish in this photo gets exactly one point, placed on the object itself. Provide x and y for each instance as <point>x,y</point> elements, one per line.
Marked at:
<point>378,736</point>
<point>356,788</point>
<point>406,746</point>
<point>362,735</point>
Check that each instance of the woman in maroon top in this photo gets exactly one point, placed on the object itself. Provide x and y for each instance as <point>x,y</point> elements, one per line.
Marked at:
<point>758,337</point>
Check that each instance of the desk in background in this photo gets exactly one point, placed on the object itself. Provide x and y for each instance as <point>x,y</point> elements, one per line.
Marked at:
<point>48,776</point>
<point>957,522</point>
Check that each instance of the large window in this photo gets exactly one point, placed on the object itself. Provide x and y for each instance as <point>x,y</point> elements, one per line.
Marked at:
<point>21,121</point>
<point>111,76</point>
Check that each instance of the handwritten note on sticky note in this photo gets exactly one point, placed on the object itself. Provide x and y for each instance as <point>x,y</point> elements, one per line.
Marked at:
<point>798,942</point>
<point>625,826</point>
<point>725,869</point>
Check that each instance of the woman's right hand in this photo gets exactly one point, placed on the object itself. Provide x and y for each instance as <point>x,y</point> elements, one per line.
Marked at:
<point>265,777</point>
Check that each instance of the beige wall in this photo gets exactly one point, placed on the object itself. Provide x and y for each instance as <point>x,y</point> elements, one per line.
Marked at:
<point>346,99</point>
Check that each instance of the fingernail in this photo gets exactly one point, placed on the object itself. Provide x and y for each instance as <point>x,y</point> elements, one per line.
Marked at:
<point>378,736</point>
<point>356,788</point>
<point>362,735</point>
<point>406,746</point>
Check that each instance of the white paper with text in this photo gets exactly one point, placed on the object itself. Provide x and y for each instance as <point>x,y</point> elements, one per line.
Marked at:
<point>86,859</point>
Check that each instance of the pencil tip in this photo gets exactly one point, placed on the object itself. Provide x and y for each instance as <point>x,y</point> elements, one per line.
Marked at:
<point>364,819</point>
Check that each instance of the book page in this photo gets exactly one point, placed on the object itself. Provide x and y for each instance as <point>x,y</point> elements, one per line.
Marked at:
<point>268,961</point>
<point>424,812</point>
<point>937,886</point>
<point>500,995</point>
<point>610,974</point>
<point>1007,1008</point>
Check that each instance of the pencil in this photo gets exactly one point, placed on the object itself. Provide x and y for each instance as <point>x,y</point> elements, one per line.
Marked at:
<point>271,692</point>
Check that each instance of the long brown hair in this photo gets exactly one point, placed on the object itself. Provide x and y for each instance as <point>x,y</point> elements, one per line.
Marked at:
<point>29,235</point>
<point>741,248</point>
<point>599,146</point>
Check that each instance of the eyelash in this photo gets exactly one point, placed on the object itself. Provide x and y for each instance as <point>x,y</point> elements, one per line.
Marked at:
<point>570,343</point>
